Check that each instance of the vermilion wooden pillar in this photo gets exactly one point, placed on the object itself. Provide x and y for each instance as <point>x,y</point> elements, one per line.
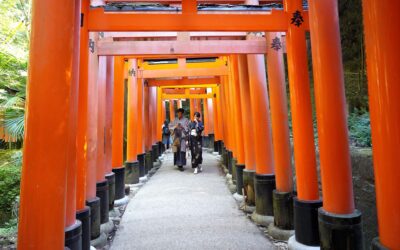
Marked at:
<point>307,201</point>
<point>147,129</point>
<point>101,85</point>
<point>237,119</point>
<point>131,109</point>
<point>384,94</point>
<point>220,117</point>
<point>153,114</point>
<point>102,187</point>
<point>217,134</point>
<point>132,164</point>
<point>109,98</point>
<point>225,115</point>
<point>211,108</point>
<point>70,222</point>
<point>248,132</point>
<point>231,107</point>
<point>191,108</point>
<point>205,117</point>
<point>153,120</point>
<point>43,186</point>
<point>82,184</point>
<point>282,195</point>
<point>118,128</point>
<point>171,110</point>
<point>91,137</point>
<point>109,113</point>
<point>163,112</point>
<point>279,115</point>
<point>179,104</point>
<point>233,152</point>
<point>332,130</point>
<point>118,114</point>
<point>237,115</point>
<point>264,180</point>
<point>160,111</point>
<point>140,127</point>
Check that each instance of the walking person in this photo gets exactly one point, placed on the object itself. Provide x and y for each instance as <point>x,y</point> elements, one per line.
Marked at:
<point>196,128</point>
<point>166,133</point>
<point>180,130</point>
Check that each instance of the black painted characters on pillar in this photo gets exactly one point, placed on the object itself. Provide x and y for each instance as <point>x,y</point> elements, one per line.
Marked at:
<point>132,72</point>
<point>297,19</point>
<point>276,44</point>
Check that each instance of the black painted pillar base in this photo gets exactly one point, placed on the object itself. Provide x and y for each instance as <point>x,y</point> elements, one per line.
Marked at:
<point>154,149</point>
<point>102,193</point>
<point>225,157</point>
<point>94,206</point>
<point>376,245</point>
<point>264,185</point>
<point>84,216</point>
<point>306,221</point>
<point>119,182</point>
<point>283,210</point>
<point>132,172</point>
<point>149,161</point>
<point>248,184</point>
<point>340,231</point>
<point>229,160</point>
<point>216,147</point>
<point>110,177</point>
<point>233,167</point>
<point>221,147</point>
<point>160,148</point>
<point>73,236</point>
<point>205,141</point>
<point>239,178</point>
<point>141,160</point>
<point>210,141</point>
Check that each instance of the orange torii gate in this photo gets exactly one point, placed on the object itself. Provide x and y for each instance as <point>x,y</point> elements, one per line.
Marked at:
<point>60,173</point>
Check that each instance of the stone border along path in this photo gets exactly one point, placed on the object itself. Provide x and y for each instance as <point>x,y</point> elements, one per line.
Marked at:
<point>180,210</point>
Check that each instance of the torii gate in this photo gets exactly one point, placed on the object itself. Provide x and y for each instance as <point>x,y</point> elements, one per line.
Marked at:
<point>48,189</point>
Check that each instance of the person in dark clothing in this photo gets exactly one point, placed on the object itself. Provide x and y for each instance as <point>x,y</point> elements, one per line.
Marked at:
<point>166,133</point>
<point>179,128</point>
<point>196,127</point>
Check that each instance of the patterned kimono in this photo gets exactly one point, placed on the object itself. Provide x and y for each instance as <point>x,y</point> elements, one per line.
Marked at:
<point>196,143</point>
<point>180,135</point>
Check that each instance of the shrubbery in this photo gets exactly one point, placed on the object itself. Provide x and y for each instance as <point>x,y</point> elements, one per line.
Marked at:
<point>10,175</point>
<point>359,129</point>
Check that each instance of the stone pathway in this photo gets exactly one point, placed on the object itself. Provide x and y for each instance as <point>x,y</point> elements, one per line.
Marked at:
<point>180,210</point>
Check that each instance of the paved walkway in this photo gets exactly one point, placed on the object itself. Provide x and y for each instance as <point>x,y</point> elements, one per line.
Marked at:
<point>180,210</point>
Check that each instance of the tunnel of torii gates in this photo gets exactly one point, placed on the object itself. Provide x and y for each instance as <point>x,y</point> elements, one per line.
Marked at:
<point>73,168</point>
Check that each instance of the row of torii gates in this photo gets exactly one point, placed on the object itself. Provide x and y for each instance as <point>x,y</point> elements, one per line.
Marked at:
<point>73,148</point>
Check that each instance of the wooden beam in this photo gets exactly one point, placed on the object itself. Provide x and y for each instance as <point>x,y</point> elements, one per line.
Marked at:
<point>182,82</point>
<point>206,47</point>
<point>170,35</point>
<point>220,71</point>
<point>186,91</point>
<point>185,96</point>
<point>276,20</point>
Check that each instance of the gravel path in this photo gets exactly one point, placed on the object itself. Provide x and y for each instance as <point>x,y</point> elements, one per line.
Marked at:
<point>180,210</point>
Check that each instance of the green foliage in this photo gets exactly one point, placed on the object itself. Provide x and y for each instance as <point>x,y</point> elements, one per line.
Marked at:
<point>14,43</point>
<point>10,174</point>
<point>8,233</point>
<point>360,129</point>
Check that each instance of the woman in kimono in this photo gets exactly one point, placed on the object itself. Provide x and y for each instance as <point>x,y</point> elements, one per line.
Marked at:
<point>179,128</point>
<point>196,127</point>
